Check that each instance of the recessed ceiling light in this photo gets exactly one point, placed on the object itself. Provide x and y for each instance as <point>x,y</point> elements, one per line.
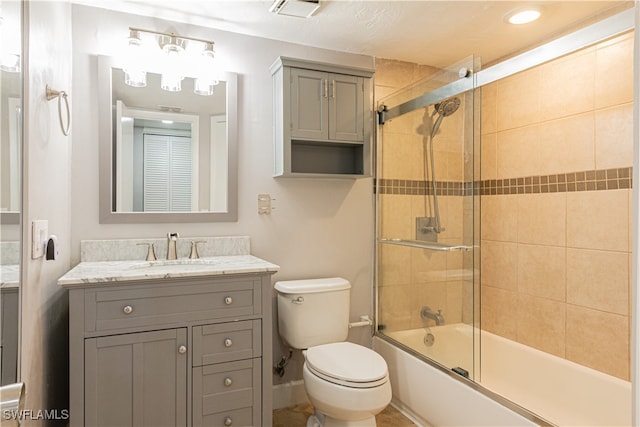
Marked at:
<point>522,16</point>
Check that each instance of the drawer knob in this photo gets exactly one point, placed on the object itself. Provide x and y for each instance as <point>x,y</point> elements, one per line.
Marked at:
<point>228,300</point>
<point>182,349</point>
<point>228,421</point>
<point>228,343</point>
<point>227,382</point>
<point>127,309</point>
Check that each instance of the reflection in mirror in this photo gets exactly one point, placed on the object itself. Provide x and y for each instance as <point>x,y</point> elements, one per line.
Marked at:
<point>10,185</point>
<point>171,156</point>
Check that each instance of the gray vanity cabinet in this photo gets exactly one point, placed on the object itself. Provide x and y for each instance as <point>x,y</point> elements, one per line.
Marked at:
<point>137,379</point>
<point>182,351</point>
<point>323,119</point>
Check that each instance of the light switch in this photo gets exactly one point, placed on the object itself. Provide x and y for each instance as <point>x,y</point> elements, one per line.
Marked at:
<point>39,237</point>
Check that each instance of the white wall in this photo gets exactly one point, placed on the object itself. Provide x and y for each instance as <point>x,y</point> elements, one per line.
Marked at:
<point>47,190</point>
<point>319,227</point>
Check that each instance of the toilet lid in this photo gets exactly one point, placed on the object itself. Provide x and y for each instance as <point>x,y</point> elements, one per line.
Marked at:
<point>347,364</point>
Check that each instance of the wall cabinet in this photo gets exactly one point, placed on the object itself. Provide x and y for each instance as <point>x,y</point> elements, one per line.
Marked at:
<point>190,351</point>
<point>323,119</point>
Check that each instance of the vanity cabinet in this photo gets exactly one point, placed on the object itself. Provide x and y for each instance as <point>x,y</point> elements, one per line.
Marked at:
<point>180,351</point>
<point>323,119</point>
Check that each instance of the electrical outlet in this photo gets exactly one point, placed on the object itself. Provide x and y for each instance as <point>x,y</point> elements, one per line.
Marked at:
<point>264,204</point>
<point>39,233</point>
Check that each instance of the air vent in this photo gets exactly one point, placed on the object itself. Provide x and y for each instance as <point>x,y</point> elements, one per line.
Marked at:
<point>299,8</point>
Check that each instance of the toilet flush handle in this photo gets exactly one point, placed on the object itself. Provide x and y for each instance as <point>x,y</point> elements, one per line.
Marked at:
<point>298,300</point>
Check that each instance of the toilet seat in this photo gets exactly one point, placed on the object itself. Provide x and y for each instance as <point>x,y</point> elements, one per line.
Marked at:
<point>347,364</point>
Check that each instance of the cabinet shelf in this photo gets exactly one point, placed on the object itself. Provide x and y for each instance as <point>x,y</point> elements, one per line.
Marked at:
<point>433,246</point>
<point>323,119</point>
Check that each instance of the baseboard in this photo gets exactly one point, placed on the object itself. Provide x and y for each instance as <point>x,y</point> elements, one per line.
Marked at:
<point>407,412</point>
<point>289,394</point>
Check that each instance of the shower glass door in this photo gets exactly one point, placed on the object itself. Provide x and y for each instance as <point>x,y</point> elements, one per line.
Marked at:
<point>428,218</point>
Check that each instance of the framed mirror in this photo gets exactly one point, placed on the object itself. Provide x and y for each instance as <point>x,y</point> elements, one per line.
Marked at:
<point>11,83</point>
<point>166,156</point>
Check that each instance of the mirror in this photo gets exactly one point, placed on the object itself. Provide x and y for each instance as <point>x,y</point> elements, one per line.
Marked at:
<point>166,156</point>
<point>10,185</point>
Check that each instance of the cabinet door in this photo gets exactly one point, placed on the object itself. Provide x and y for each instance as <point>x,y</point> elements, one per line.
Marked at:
<point>346,108</point>
<point>309,106</point>
<point>136,379</point>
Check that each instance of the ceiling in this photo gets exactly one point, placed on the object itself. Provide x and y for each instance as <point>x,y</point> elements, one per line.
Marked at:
<point>430,32</point>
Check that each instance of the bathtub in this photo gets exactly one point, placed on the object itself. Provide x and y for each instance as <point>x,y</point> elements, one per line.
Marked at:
<point>555,389</point>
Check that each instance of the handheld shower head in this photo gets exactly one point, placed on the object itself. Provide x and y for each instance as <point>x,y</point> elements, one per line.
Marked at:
<point>448,106</point>
<point>444,109</point>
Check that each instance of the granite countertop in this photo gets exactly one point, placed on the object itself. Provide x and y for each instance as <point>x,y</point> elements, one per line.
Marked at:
<point>99,272</point>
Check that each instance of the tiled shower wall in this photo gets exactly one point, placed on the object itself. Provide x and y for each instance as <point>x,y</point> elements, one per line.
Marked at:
<point>556,201</point>
<point>557,149</point>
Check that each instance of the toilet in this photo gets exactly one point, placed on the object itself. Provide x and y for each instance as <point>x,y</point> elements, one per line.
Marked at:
<point>348,384</point>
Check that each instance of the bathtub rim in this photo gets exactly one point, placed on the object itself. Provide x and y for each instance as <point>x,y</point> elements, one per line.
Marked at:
<point>520,410</point>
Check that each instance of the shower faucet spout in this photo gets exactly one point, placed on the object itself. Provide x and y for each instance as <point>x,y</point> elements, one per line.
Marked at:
<point>427,313</point>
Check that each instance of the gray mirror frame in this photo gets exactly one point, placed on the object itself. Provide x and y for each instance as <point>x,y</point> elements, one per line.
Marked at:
<point>107,216</point>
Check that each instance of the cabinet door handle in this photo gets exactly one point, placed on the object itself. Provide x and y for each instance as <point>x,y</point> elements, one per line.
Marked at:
<point>182,349</point>
<point>127,309</point>
<point>227,382</point>
<point>333,88</point>
<point>325,82</point>
<point>228,300</point>
<point>228,421</point>
<point>228,343</point>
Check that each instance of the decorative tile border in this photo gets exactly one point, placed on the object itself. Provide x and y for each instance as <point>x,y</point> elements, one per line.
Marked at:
<point>592,180</point>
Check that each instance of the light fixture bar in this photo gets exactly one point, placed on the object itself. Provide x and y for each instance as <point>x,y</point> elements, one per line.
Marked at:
<point>174,35</point>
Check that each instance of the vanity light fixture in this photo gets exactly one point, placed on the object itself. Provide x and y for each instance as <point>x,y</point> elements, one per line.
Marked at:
<point>523,15</point>
<point>134,74</point>
<point>208,77</point>
<point>173,48</point>
<point>174,59</point>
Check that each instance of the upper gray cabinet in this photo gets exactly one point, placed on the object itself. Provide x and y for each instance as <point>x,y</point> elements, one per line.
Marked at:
<point>323,119</point>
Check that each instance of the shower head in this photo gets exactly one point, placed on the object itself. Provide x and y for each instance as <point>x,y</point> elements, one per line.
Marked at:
<point>447,107</point>
<point>444,109</point>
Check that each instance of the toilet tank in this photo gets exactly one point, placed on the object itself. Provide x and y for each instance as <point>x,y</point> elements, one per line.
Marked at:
<point>313,311</point>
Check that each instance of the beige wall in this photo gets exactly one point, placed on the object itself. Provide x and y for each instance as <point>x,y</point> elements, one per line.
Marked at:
<point>47,169</point>
<point>320,227</point>
<point>555,259</point>
<point>555,208</point>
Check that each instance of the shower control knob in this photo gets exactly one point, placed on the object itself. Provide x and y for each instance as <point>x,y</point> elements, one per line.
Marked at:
<point>228,343</point>
<point>127,309</point>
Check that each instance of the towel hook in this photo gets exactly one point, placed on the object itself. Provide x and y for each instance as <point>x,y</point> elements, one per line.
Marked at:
<point>53,94</point>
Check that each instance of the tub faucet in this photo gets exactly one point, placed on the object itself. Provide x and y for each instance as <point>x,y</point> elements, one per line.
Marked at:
<point>427,313</point>
<point>172,242</point>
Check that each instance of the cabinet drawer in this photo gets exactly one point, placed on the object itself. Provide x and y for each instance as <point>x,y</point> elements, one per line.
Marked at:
<point>238,417</point>
<point>143,306</point>
<point>225,342</point>
<point>226,387</point>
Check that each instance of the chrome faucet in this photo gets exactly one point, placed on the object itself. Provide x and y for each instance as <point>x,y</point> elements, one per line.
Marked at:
<point>172,242</point>
<point>427,313</point>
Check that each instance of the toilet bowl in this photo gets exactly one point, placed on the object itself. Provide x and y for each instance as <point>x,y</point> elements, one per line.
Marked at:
<point>348,384</point>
